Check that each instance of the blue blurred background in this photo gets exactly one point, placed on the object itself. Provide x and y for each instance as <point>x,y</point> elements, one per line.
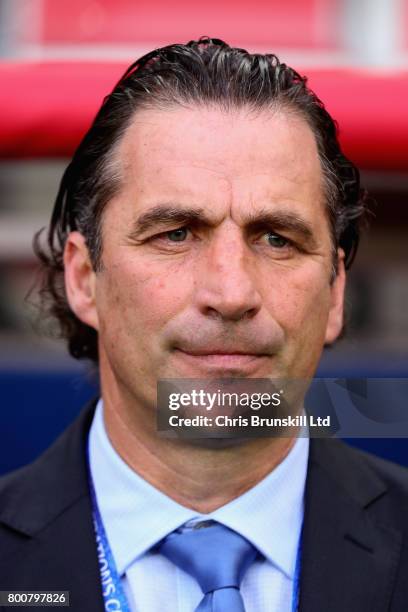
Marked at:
<point>341,43</point>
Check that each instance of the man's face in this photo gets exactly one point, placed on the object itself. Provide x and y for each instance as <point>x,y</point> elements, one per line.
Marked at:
<point>217,255</point>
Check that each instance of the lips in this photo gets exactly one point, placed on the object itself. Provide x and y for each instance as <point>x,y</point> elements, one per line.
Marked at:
<point>221,359</point>
<point>223,351</point>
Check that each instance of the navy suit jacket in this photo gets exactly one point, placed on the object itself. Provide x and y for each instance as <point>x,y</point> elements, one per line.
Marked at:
<point>354,551</point>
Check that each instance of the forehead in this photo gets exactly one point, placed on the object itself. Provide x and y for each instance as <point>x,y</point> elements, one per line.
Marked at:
<point>212,157</point>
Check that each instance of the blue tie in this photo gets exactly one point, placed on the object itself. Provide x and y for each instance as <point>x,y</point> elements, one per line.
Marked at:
<point>217,558</point>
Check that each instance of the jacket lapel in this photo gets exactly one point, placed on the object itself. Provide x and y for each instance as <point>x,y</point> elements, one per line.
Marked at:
<point>349,561</point>
<point>46,526</point>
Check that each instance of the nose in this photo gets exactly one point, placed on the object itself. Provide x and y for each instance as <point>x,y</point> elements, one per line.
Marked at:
<point>226,288</point>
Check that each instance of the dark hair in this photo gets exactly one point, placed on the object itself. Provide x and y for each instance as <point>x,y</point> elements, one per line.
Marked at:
<point>203,72</point>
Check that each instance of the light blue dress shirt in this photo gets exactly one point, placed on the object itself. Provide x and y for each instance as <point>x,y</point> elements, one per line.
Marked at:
<point>136,516</point>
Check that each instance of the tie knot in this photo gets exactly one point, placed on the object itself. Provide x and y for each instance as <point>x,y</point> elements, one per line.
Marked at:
<point>216,556</point>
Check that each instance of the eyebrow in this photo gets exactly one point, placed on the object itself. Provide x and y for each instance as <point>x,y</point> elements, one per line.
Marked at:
<point>282,220</point>
<point>166,214</point>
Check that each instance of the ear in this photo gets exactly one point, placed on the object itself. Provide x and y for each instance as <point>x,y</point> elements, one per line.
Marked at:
<point>80,279</point>
<point>336,314</point>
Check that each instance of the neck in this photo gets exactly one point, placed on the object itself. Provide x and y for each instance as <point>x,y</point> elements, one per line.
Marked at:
<point>200,477</point>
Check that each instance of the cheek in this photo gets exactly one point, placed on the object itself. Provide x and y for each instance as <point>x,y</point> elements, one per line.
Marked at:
<point>136,298</point>
<point>300,302</point>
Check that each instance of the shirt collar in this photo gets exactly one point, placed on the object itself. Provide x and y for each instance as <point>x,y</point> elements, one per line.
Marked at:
<point>136,515</point>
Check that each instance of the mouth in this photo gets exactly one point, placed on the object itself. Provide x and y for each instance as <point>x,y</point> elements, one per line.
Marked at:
<point>221,360</point>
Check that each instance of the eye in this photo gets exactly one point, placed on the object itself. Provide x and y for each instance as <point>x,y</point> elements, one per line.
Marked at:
<point>177,235</point>
<point>276,240</point>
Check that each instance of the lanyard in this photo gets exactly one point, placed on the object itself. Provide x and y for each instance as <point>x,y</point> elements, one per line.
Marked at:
<point>112,590</point>
<point>296,581</point>
<point>114,597</point>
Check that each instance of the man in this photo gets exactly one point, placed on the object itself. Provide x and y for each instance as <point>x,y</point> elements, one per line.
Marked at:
<point>203,229</point>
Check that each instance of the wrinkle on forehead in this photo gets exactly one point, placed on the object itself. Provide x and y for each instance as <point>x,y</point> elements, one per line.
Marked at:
<point>210,133</point>
<point>221,161</point>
